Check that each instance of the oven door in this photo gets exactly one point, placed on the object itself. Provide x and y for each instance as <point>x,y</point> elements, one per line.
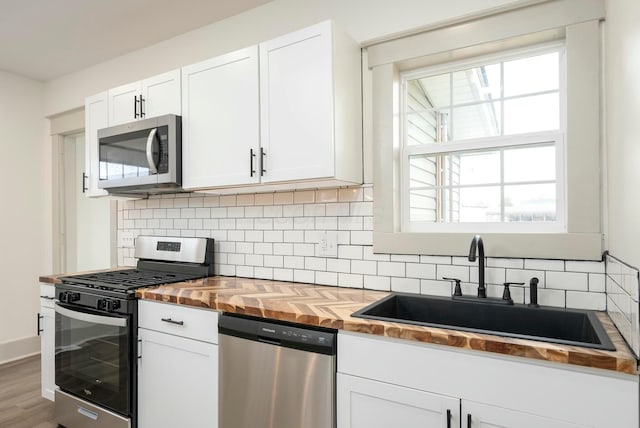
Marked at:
<point>93,356</point>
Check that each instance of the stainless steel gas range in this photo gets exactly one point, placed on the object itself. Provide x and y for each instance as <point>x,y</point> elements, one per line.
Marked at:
<point>96,331</point>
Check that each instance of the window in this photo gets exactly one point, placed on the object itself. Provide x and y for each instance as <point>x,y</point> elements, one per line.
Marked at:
<point>482,146</point>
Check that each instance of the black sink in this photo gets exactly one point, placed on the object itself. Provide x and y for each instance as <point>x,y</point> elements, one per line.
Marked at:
<point>564,326</point>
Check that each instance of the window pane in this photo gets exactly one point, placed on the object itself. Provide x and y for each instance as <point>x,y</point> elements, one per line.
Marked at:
<point>478,204</point>
<point>433,91</point>
<point>479,167</point>
<point>530,75</point>
<point>532,114</point>
<point>530,164</point>
<point>476,121</point>
<point>423,205</point>
<point>530,203</point>
<point>476,84</point>
<point>422,128</point>
<point>422,171</point>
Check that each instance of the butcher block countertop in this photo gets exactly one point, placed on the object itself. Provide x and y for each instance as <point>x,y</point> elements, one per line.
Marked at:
<point>332,307</point>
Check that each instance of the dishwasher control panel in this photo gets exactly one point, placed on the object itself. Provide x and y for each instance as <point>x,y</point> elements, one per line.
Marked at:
<point>279,333</point>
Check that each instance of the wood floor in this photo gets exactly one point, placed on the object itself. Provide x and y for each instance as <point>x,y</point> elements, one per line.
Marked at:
<point>21,405</point>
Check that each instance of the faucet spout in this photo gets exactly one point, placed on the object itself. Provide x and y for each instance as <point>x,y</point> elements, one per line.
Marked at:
<point>476,243</point>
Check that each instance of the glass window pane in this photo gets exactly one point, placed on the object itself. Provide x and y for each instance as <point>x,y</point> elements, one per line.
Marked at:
<point>476,204</point>
<point>422,171</point>
<point>479,167</point>
<point>423,205</point>
<point>476,84</point>
<point>433,91</point>
<point>530,203</point>
<point>476,121</point>
<point>532,114</point>
<point>530,164</point>
<point>422,128</point>
<point>533,74</point>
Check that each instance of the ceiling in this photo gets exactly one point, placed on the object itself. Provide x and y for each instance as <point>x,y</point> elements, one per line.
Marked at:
<point>45,39</point>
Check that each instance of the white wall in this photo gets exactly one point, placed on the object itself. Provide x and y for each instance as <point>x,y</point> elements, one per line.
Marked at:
<point>622,64</point>
<point>24,218</point>
<point>362,19</point>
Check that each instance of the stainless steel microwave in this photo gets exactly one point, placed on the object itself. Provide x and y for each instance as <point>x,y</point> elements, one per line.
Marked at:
<point>141,157</point>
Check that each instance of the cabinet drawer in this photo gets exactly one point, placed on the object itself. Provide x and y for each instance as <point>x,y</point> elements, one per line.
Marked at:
<point>199,324</point>
<point>47,295</point>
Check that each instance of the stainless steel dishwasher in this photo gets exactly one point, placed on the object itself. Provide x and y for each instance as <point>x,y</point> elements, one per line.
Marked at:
<point>275,374</point>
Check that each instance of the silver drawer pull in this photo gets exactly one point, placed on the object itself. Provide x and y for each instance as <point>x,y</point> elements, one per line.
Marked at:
<point>169,320</point>
<point>88,413</point>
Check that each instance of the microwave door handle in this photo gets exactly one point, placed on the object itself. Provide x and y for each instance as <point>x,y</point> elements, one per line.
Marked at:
<point>90,318</point>
<point>152,165</point>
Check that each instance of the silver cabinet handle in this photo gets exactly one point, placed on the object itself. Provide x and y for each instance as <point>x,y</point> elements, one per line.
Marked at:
<point>152,164</point>
<point>170,321</point>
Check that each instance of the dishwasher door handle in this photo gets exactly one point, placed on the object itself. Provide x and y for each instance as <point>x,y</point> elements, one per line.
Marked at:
<point>269,340</point>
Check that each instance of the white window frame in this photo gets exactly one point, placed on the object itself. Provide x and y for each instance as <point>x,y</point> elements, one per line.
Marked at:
<point>579,24</point>
<point>529,139</point>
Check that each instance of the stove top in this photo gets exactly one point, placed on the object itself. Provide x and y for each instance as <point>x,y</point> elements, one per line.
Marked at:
<point>128,279</point>
<point>161,260</point>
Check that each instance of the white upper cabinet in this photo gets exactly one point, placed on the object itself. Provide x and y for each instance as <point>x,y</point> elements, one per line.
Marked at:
<point>285,114</point>
<point>310,104</point>
<point>221,122</point>
<point>144,99</point>
<point>96,117</point>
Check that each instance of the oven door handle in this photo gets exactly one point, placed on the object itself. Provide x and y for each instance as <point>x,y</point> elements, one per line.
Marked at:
<point>97,319</point>
<point>152,165</point>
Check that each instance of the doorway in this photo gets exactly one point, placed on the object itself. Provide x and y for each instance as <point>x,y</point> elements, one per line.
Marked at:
<point>86,226</point>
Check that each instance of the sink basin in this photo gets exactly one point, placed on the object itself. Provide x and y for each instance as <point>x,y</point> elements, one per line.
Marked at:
<point>564,326</point>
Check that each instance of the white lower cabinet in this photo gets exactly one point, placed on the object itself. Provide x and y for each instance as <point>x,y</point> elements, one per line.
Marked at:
<point>478,415</point>
<point>177,375</point>
<point>365,403</point>
<point>47,332</point>
<point>384,382</point>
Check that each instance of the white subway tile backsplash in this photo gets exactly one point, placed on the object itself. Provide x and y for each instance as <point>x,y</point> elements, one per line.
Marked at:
<point>535,264</point>
<point>405,285</point>
<point>339,265</point>
<point>409,258</point>
<point>350,252</point>
<point>421,270</point>
<point>576,281</point>
<point>350,280</point>
<point>580,266</point>
<point>382,283</point>
<point>294,262</point>
<point>391,269</point>
<point>435,288</point>
<point>366,267</point>
<point>306,276</point>
<point>592,301</point>
<point>276,236</point>
<point>450,271</point>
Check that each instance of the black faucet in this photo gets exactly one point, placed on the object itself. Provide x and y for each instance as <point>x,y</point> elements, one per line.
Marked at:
<point>476,242</point>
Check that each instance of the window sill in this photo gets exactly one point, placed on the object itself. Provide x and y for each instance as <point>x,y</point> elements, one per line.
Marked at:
<point>568,246</point>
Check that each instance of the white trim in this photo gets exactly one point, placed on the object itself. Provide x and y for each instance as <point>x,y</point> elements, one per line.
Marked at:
<point>19,348</point>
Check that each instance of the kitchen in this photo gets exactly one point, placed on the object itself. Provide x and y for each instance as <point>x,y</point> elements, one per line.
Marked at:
<point>31,101</point>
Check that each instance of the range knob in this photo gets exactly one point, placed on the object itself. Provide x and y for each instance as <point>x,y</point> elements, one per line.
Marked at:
<point>112,305</point>
<point>68,296</point>
<point>101,304</point>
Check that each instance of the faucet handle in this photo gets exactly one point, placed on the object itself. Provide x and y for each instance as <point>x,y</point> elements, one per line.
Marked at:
<point>458,290</point>
<point>506,294</point>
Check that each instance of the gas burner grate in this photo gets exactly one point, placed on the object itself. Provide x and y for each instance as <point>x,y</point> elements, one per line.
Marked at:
<point>128,279</point>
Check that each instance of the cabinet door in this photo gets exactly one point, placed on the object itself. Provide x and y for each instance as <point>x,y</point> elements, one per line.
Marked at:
<point>365,403</point>
<point>177,381</point>
<point>123,107</point>
<point>96,117</point>
<point>220,121</point>
<point>161,95</point>
<point>47,349</point>
<point>477,415</point>
<point>296,101</point>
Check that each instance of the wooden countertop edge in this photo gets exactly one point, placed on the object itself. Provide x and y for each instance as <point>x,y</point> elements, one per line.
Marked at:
<point>206,294</point>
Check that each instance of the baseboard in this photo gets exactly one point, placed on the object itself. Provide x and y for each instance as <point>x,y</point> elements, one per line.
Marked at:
<point>20,348</point>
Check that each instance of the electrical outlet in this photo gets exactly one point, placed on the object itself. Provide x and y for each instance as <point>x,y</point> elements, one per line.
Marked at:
<point>328,244</point>
<point>126,239</point>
